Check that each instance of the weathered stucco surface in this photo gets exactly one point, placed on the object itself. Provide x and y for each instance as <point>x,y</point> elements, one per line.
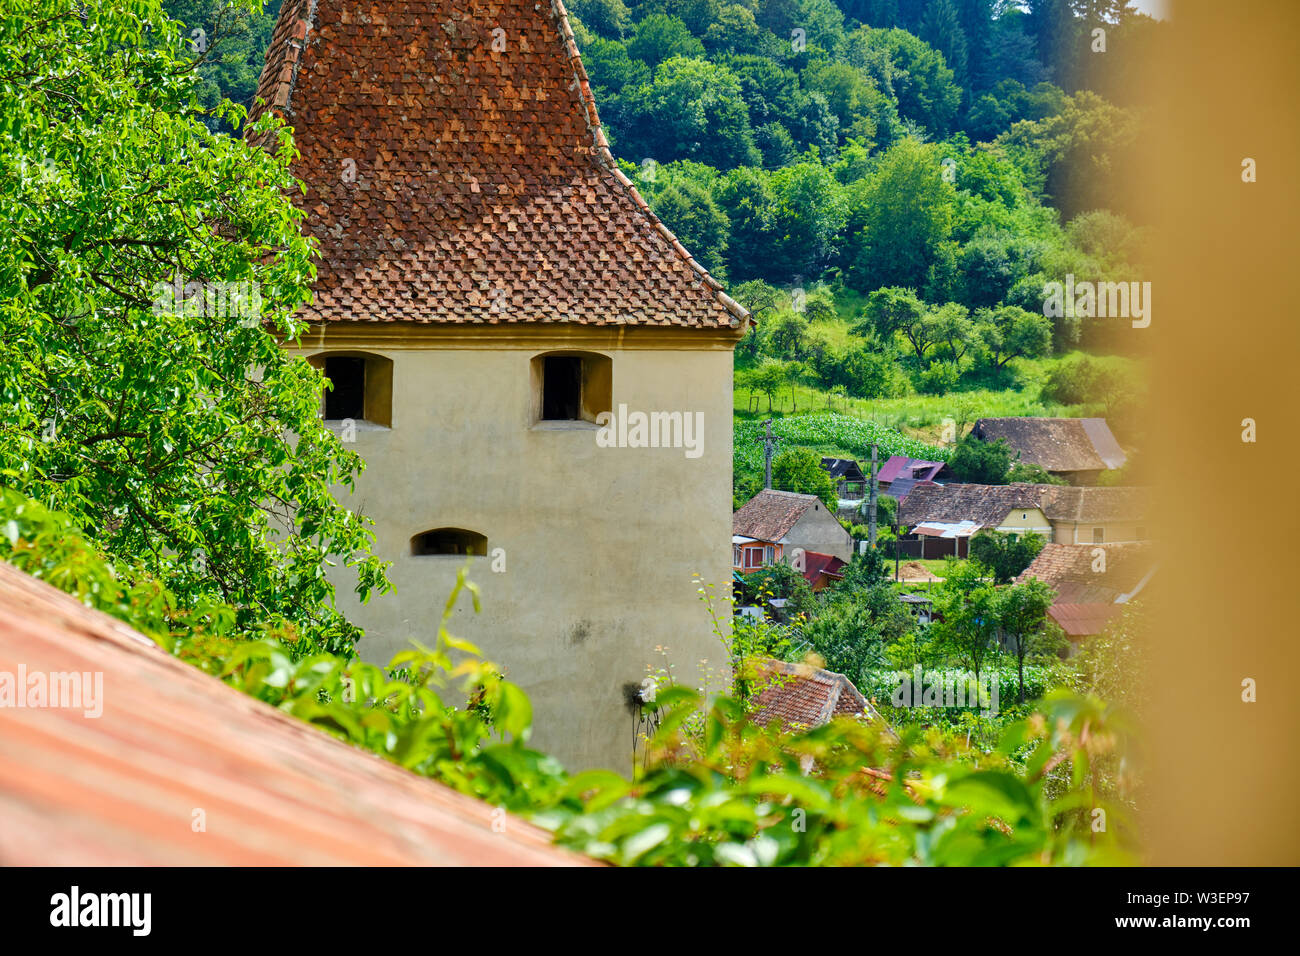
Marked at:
<point>600,545</point>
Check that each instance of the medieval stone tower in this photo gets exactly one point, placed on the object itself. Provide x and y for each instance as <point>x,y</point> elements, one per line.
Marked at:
<point>491,289</point>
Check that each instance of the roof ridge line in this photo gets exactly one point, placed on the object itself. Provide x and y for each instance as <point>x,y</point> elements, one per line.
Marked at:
<point>606,160</point>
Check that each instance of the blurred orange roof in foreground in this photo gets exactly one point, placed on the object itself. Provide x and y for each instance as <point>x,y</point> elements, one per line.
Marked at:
<point>122,788</point>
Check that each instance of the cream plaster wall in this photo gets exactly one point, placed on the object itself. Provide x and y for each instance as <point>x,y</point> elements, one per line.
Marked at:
<point>600,544</point>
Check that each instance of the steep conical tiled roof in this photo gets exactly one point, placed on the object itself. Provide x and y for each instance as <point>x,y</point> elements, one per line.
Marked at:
<point>456,171</point>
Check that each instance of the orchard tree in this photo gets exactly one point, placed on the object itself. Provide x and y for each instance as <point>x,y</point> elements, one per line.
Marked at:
<point>968,608</point>
<point>1006,554</point>
<point>174,428</point>
<point>768,377</point>
<point>894,310</point>
<point>1011,332</point>
<point>1022,616</point>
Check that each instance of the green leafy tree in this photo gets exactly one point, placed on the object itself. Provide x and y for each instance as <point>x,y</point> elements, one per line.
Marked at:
<point>981,462</point>
<point>942,29</point>
<point>1022,615</point>
<point>227,42</point>
<point>788,336</point>
<point>1073,158</point>
<point>688,209</point>
<point>1033,474</point>
<point>968,605</point>
<point>745,196</point>
<point>902,214</point>
<point>768,377</point>
<point>800,470</point>
<point>174,427</point>
<point>659,37</point>
<point>923,83</point>
<point>852,628</point>
<point>1004,553</point>
<point>1010,332</point>
<point>954,328</point>
<point>611,70</point>
<point>607,18</point>
<point>807,216</point>
<point>692,110</point>
<point>781,581</point>
<point>894,310</point>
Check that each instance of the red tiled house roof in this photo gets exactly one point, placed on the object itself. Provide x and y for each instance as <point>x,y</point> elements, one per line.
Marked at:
<point>1084,620</point>
<point>770,514</point>
<point>122,788</point>
<point>800,696</point>
<point>1068,569</point>
<point>816,564</point>
<point>456,172</point>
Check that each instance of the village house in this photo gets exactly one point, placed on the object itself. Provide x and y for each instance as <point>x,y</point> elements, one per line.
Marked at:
<point>1092,583</point>
<point>900,474</point>
<point>1061,513</point>
<point>784,526</point>
<point>851,483</point>
<point>1076,449</point>
<point>491,289</point>
<point>800,696</point>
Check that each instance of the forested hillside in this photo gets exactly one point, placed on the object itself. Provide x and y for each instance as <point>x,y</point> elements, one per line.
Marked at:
<point>887,184</point>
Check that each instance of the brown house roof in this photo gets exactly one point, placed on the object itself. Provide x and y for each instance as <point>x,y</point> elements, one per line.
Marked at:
<point>1084,620</point>
<point>122,788</point>
<point>1057,444</point>
<point>1068,568</point>
<point>770,514</point>
<point>988,505</point>
<point>1094,503</point>
<point>800,696</point>
<point>456,172</point>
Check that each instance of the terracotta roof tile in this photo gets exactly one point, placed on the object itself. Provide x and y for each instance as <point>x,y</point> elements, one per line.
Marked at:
<point>800,696</point>
<point>122,788</point>
<point>1068,568</point>
<point>770,514</point>
<point>1084,620</point>
<point>456,172</point>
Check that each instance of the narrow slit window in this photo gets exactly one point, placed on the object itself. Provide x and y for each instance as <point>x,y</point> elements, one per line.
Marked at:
<point>562,388</point>
<point>449,541</point>
<point>347,399</point>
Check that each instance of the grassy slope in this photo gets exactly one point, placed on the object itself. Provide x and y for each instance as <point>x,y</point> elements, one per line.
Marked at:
<point>916,416</point>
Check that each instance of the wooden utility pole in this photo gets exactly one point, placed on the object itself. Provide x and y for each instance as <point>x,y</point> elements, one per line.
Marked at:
<point>871,502</point>
<point>769,440</point>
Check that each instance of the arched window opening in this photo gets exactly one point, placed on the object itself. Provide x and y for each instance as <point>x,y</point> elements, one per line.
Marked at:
<point>571,386</point>
<point>361,387</point>
<point>449,541</point>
